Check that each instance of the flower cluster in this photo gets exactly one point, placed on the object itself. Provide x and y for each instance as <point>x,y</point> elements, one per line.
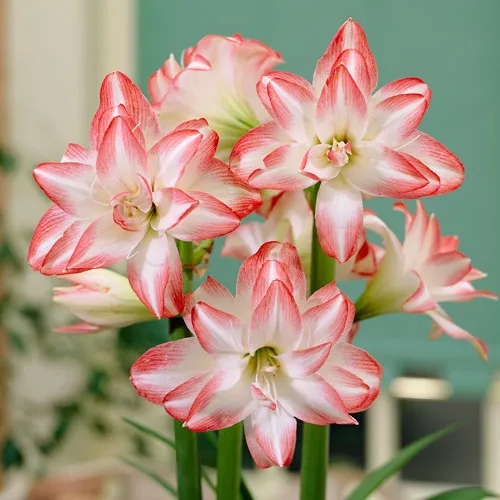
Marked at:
<point>225,135</point>
<point>266,356</point>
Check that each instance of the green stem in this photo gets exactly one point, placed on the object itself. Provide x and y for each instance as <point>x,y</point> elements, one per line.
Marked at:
<point>229,462</point>
<point>315,441</point>
<point>186,444</point>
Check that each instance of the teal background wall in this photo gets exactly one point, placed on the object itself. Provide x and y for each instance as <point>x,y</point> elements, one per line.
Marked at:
<point>451,44</point>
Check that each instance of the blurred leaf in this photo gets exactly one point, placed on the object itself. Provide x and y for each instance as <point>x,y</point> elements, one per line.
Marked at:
<point>468,493</point>
<point>17,342</point>
<point>169,442</point>
<point>206,441</point>
<point>100,426</point>
<point>98,384</point>
<point>150,432</point>
<point>152,475</point>
<point>8,256</point>
<point>7,161</point>
<point>373,480</point>
<point>11,455</point>
<point>67,415</point>
<point>35,316</point>
<point>136,339</point>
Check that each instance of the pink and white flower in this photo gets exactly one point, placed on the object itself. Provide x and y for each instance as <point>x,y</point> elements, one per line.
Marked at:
<point>419,274</point>
<point>132,194</point>
<point>102,299</point>
<point>335,131</point>
<point>267,356</point>
<point>290,220</point>
<point>217,82</point>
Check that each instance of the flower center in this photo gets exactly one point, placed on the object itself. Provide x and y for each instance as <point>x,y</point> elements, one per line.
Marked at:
<point>339,153</point>
<point>264,365</point>
<point>132,210</point>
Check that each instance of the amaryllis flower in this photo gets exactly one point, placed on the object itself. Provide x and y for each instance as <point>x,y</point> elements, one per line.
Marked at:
<point>132,194</point>
<point>267,356</point>
<point>417,275</point>
<point>103,299</point>
<point>355,144</point>
<point>290,220</point>
<point>217,82</point>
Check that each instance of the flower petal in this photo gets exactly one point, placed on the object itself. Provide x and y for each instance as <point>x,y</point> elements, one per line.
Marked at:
<point>290,100</point>
<point>276,320</point>
<point>208,145</point>
<point>282,170</point>
<point>272,250</point>
<point>339,218</point>
<point>304,362</point>
<point>57,259</point>
<point>120,158</point>
<point>77,154</point>
<point>381,171</point>
<point>271,271</point>
<point>179,401</point>
<point>349,36</point>
<point>166,366</point>
<point>438,159</point>
<point>209,219</point>
<point>421,301</point>
<point>352,390</point>
<point>149,270</point>
<point>211,292</point>
<point>172,205</point>
<point>329,321</point>
<point>217,331</point>
<point>358,362</point>
<point>445,269</point>
<point>275,432</point>
<point>216,179</point>
<point>244,241</point>
<point>317,165</point>
<point>460,292</point>
<point>82,327</point>
<point>395,119</point>
<point>249,152</point>
<point>446,324</point>
<point>70,186</point>
<point>400,87</point>
<point>103,244</point>
<point>258,454</point>
<point>218,406</point>
<point>117,89</point>
<point>168,157</point>
<point>51,227</point>
<point>355,63</point>
<point>341,111</point>
<point>312,400</point>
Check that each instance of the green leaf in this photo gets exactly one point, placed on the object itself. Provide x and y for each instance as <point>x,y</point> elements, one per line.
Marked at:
<point>160,437</point>
<point>150,432</point>
<point>209,438</point>
<point>378,476</point>
<point>152,475</point>
<point>468,493</point>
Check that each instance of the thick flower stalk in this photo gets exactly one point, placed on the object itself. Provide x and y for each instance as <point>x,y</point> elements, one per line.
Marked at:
<point>356,143</point>
<point>217,82</point>
<point>132,194</point>
<point>102,299</point>
<point>290,220</point>
<point>417,275</point>
<point>267,356</point>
